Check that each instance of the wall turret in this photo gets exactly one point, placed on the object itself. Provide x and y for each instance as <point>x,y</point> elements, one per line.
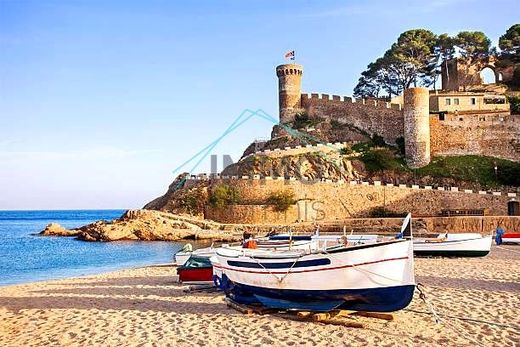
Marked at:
<point>289,90</point>
<point>417,127</point>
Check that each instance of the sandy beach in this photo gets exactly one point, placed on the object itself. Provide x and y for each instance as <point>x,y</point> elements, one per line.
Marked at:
<point>145,307</point>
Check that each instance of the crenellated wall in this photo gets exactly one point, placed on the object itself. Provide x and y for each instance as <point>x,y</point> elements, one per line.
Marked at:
<point>370,115</point>
<point>329,201</point>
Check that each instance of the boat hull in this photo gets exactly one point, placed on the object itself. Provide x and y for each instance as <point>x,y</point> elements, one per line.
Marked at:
<point>450,253</point>
<point>386,299</point>
<point>511,238</point>
<point>195,274</point>
<point>472,247</point>
<point>376,277</point>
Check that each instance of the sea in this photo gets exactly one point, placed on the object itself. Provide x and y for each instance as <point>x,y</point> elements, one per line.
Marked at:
<point>26,256</point>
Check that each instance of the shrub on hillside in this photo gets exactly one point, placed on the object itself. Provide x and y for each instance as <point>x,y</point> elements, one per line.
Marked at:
<point>379,159</point>
<point>282,200</point>
<point>381,212</point>
<point>514,101</point>
<point>224,195</point>
<point>193,201</point>
<point>347,150</point>
<point>509,174</point>
<point>378,141</point>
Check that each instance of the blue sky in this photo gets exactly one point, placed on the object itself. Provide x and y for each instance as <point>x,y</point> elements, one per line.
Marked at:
<point>101,100</point>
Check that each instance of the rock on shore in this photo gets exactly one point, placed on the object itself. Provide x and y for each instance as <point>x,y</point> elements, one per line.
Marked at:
<point>147,225</point>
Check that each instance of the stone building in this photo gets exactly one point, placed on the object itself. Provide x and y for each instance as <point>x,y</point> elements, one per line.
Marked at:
<point>457,75</point>
<point>442,123</point>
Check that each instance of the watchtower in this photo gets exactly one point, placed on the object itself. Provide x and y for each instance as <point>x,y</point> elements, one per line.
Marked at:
<point>417,127</point>
<point>289,90</point>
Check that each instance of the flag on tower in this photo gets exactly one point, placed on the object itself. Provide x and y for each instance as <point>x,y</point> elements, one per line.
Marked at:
<point>289,55</point>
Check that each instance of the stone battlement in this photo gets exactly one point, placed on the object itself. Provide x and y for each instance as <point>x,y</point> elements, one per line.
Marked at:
<point>348,99</point>
<point>216,177</point>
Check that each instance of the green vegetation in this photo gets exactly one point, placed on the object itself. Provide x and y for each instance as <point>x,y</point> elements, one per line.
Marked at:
<point>474,168</point>
<point>347,150</point>
<point>362,147</point>
<point>416,58</point>
<point>223,195</point>
<point>381,212</point>
<point>282,200</point>
<point>193,201</point>
<point>378,141</point>
<point>510,41</point>
<point>514,101</point>
<point>381,159</point>
<point>302,120</point>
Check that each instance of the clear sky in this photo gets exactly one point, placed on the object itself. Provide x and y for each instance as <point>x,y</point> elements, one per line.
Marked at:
<point>101,100</point>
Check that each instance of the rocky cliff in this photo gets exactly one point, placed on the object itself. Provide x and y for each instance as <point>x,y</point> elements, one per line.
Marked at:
<point>148,225</point>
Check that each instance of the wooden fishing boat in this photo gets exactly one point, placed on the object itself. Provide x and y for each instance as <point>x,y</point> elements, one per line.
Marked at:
<point>196,269</point>
<point>376,277</point>
<point>454,245</point>
<point>511,237</point>
<point>281,242</point>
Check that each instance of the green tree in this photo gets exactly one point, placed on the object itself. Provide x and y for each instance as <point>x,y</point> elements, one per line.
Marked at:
<point>412,53</point>
<point>401,66</point>
<point>510,41</point>
<point>443,51</point>
<point>472,46</point>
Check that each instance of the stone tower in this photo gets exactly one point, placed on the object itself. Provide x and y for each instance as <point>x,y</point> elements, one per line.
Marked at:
<point>289,90</point>
<point>417,127</point>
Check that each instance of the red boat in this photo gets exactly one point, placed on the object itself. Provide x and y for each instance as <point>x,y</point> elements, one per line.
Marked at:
<point>513,237</point>
<point>196,269</point>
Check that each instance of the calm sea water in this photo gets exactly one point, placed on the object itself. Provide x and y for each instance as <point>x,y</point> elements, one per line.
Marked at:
<point>27,257</point>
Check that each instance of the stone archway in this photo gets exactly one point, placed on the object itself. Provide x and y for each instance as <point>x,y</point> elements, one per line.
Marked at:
<point>488,75</point>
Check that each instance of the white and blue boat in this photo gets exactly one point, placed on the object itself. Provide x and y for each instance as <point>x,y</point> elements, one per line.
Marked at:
<point>377,277</point>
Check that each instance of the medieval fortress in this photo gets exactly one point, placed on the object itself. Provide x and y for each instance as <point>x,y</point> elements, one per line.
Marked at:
<point>429,123</point>
<point>447,122</point>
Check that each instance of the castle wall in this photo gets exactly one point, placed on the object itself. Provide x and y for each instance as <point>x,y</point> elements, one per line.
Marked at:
<point>329,201</point>
<point>483,134</point>
<point>372,116</point>
<point>417,127</point>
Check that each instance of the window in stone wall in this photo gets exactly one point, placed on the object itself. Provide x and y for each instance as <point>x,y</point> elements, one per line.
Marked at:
<point>482,119</point>
<point>448,101</point>
<point>456,101</point>
<point>461,119</point>
<point>441,116</point>
<point>473,101</point>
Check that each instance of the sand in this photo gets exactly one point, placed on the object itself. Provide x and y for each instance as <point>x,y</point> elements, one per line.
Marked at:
<point>145,307</point>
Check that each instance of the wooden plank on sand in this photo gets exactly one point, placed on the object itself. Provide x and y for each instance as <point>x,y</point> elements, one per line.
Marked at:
<point>378,315</point>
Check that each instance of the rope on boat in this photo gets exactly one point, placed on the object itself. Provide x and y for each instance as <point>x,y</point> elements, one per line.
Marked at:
<point>438,319</point>
<point>422,296</point>
<point>279,279</point>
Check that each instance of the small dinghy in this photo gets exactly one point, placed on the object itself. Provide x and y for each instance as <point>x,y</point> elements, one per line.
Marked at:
<point>196,270</point>
<point>511,237</point>
<point>377,277</point>
<point>186,252</point>
<point>454,245</point>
